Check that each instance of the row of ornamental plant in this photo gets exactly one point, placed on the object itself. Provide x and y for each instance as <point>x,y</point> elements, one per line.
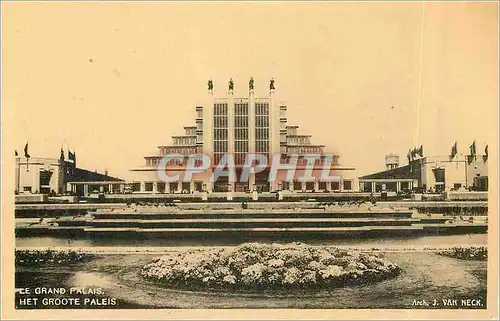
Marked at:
<point>49,257</point>
<point>478,253</point>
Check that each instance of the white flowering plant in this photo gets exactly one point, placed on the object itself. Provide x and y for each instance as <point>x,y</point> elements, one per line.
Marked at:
<point>255,266</point>
<point>476,253</point>
<point>50,257</point>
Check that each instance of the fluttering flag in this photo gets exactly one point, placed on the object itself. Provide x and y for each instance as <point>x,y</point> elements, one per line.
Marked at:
<point>473,149</point>
<point>453,151</point>
<point>413,153</point>
<point>62,155</point>
<point>71,156</point>
<point>26,151</point>
<point>485,156</point>
<point>472,153</point>
<point>420,151</point>
<point>27,156</point>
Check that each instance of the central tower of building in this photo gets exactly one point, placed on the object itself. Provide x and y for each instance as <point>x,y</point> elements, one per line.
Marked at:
<point>237,126</point>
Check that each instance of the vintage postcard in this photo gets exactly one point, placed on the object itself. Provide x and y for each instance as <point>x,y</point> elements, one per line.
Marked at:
<point>249,160</point>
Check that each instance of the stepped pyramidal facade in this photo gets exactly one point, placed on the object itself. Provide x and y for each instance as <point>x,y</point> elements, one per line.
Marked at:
<point>238,126</point>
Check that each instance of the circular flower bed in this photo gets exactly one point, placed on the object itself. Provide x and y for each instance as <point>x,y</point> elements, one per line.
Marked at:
<point>254,266</point>
<point>479,253</point>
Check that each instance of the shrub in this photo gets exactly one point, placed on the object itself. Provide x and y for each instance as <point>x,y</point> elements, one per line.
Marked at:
<point>479,253</point>
<point>49,257</point>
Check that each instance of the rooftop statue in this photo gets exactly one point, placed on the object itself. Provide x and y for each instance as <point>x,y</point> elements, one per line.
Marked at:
<point>231,84</point>
<point>271,85</point>
<point>210,85</point>
<point>250,84</point>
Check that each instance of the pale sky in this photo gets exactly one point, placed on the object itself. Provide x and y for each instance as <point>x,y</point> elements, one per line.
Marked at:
<point>114,80</point>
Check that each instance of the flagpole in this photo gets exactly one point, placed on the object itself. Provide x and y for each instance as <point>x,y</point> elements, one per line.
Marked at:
<point>27,158</point>
<point>466,163</point>
<point>19,175</point>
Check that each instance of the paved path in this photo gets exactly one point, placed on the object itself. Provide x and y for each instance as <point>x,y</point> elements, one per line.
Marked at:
<point>169,249</point>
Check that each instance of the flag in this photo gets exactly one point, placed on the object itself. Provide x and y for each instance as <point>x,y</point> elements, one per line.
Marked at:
<point>470,159</point>
<point>62,155</point>
<point>26,151</point>
<point>71,156</point>
<point>453,151</point>
<point>16,152</point>
<point>413,153</point>
<point>27,156</point>
<point>420,151</point>
<point>485,156</point>
<point>473,149</point>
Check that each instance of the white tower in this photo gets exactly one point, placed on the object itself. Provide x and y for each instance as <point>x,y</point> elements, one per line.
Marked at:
<point>391,161</point>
